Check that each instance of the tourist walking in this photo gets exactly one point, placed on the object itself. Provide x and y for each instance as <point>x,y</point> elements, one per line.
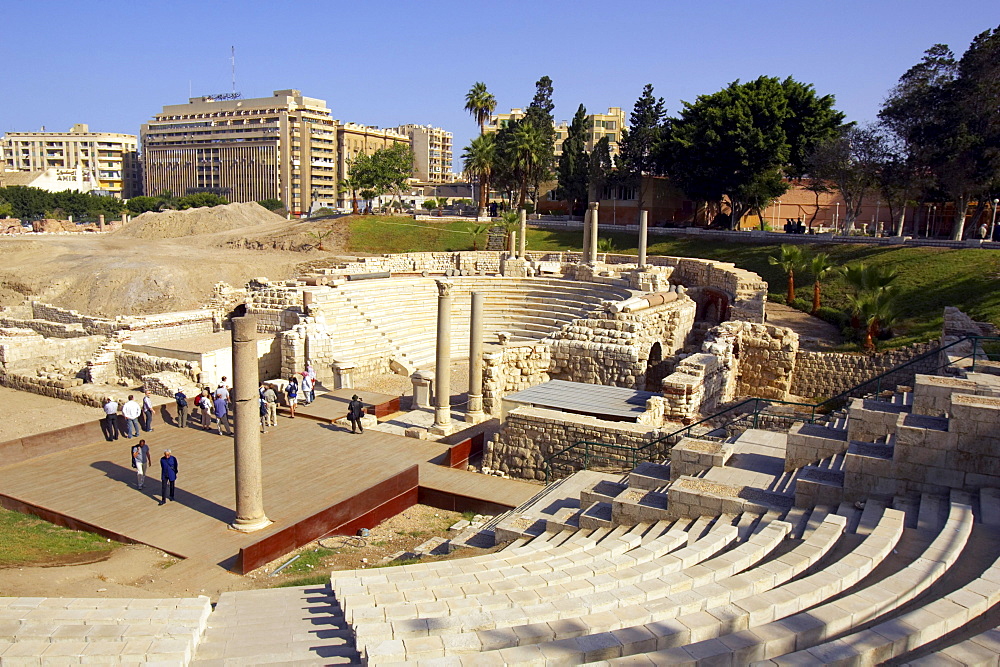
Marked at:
<point>355,411</point>
<point>292,394</point>
<point>110,423</point>
<point>222,414</point>
<point>263,413</point>
<point>182,408</point>
<point>271,402</point>
<point>168,476</point>
<point>307,388</point>
<point>206,407</point>
<point>131,412</point>
<point>140,461</point>
<point>311,372</point>
<point>147,412</point>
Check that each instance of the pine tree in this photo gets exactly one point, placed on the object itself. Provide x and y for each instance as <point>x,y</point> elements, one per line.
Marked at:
<point>574,164</point>
<point>635,151</point>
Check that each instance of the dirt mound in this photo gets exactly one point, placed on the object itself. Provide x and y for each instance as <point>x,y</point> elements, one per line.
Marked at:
<point>195,221</point>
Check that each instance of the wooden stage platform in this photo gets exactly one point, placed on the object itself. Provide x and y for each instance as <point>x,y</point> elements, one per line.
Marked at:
<point>316,476</point>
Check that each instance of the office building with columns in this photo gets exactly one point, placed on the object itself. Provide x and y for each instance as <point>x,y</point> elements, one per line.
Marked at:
<point>279,147</point>
<point>105,162</point>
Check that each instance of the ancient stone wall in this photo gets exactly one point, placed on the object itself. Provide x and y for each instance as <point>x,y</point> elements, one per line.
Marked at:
<point>512,368</point>
<point>44,327</point>
<point>24,349</point>
<point>92,325</point>
<point>614,348</point>
<point>132,366</point>
<point>738,358</point>
<point>825,374</point>
<point>169,326</point>
<point>530,435</point>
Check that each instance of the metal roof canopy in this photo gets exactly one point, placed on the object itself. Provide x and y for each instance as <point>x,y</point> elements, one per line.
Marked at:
<point>612,403</point>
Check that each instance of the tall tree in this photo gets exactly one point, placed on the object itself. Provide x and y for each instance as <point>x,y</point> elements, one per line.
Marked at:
<point>602,169</point>
<point>480,103</point>
<point>383,172</point>
<point>574,164</point>
<point>539,115</point>
<point>811,119</point>
<point>851,161</point>
<point>636,155</point>
<point>479,159</point>
<point>790,260</point>
<point>528,155</point>
<point>731,144</point>
<point>945,110</point>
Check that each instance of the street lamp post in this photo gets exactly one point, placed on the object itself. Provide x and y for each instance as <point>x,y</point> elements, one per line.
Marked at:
<point>776,217</point>
<point>993,225</point>
<point>836,218</point>
<point>875,220</point>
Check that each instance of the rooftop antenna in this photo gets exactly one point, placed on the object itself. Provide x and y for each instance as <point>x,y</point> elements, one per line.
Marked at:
<point>232,60</point>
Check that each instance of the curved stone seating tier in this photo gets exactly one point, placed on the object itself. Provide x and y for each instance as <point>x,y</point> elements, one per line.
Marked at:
<point>634,630</point>
<point>63,630</point>
<point>603,589</point>
<point>488,632</point>
<point>983,650</point>
<point>398,316</point>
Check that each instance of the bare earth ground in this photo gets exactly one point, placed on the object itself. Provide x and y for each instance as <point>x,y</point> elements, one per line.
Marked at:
<point>814,333</point>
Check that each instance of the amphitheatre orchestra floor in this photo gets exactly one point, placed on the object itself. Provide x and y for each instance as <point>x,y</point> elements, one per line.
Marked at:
<point>308,466</point>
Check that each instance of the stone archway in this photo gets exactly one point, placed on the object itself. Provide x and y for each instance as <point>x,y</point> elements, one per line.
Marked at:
<point>656,368</point>
<point>713,306</point>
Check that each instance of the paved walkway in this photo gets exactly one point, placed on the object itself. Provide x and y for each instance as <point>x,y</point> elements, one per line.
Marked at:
<point>814,333</point>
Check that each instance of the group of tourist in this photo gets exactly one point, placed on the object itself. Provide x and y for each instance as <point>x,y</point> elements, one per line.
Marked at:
<point>215,407</point>
<point>137,415</point>
<point>168,470</point>
<point>304,388</point>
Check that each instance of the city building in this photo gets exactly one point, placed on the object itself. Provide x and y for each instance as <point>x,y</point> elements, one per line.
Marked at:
<point>280,147</point>
<point>432,153</point>
<point>82,160</point>
<point>598,125</point>
<point>354,139</point>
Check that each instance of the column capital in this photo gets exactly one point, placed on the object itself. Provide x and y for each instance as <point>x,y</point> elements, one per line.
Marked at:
<point>593,205</point>
<point>444,287</point>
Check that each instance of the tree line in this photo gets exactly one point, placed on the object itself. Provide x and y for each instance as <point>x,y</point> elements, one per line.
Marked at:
<point>937,139</point>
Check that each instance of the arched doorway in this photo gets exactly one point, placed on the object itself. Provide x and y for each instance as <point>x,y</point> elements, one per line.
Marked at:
<point>656,368</point>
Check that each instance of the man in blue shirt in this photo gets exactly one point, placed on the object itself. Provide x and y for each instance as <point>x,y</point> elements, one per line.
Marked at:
<point>168,475</point>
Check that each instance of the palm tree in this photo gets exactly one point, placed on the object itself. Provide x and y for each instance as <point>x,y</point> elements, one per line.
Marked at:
<point>479,162</point>
<point>790,260</point>
<point>820,265</point>
<point>528,151</point>
<point>481,104</point>
<point>477,231</point>
<point>875,311</point>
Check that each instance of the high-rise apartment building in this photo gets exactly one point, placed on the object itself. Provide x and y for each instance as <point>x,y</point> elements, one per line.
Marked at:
<point>108,160</point>
<point>598,125</point>
<point>353,140</point>
<point>432,153</point>
<point>280,147</point>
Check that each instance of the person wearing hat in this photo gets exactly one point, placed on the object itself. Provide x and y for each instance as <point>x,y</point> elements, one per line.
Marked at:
<point>355,410</point>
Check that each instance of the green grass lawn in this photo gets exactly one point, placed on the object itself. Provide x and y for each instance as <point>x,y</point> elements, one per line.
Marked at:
<point>25,540</point>
<point>929,278</point>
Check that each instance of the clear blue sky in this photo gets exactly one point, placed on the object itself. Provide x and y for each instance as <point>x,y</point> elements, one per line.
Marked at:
<point>114,64</point>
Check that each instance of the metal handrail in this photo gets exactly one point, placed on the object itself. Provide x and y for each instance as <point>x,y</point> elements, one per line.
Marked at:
<point>757,401</point>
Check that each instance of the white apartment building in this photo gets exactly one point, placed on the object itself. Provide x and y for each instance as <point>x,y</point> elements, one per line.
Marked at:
<point>432,153</point>
<point>84,160</point>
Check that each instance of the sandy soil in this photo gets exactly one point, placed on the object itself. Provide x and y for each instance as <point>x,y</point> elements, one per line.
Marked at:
<point>27,414</point>
<point>143,572</point>
<point>114,274</point>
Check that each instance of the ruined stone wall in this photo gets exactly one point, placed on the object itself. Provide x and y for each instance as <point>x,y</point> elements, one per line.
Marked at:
<point>277,307</point>
<point>169,326</point>
<point>825,374</point>
<point>132,366</point>
<point>512,368</point>
<point>91,325</point>
<point>531,434</point>
<point>738,359</point>
<point>614,348</point>
<point>44,327</point>
<point>25,349</point>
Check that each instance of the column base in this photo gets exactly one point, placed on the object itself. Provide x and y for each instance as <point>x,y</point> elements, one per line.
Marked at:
<point>250,525</point>
<point>476,417</point>
<point>442,429</point>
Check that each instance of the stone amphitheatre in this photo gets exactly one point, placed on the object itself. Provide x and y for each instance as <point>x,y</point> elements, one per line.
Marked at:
<point>704,490</point>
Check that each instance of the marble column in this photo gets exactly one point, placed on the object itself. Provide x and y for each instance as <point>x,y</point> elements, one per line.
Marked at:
<point>643,235</point>
<point>100,223</point>
<point>474,413</point>
<point>586,234</point>
<point>592,234</point>
<point>522,232</point>
<point>442,392</point>
<point>246,446</point>
<point>511,242</point>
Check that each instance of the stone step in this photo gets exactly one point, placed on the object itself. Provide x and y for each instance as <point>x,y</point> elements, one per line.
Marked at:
<point>596,515</point>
